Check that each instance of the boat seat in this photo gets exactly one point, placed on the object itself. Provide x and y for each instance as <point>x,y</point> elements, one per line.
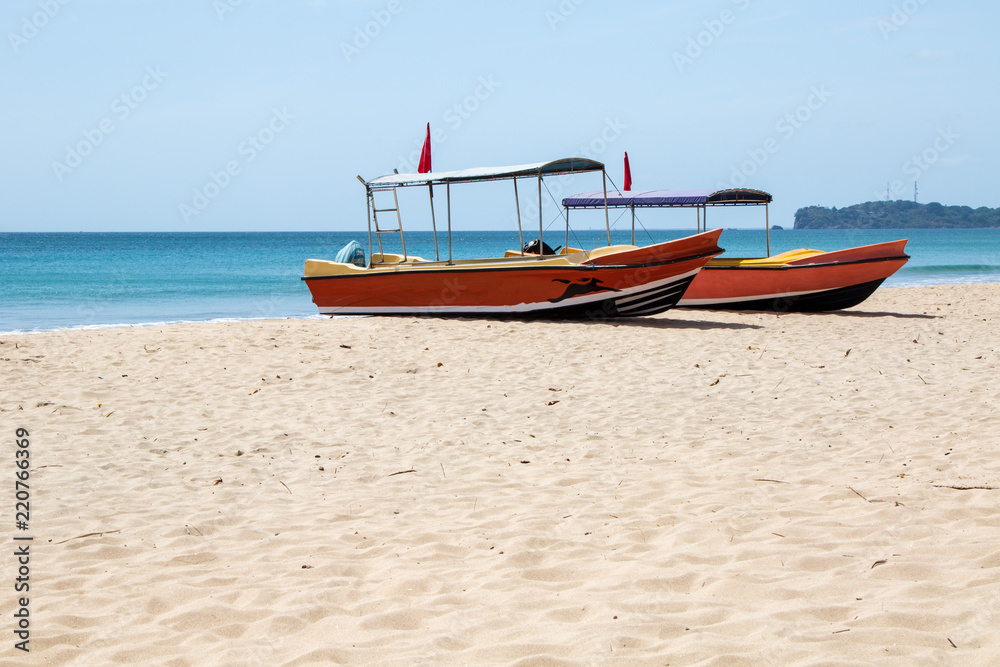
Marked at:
<point>584,254</point>
<point>322,267</point>
<point>607,250</point>
<point>393,258</point>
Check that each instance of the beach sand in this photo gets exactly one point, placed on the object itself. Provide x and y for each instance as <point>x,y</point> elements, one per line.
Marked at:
<point>694,488</point>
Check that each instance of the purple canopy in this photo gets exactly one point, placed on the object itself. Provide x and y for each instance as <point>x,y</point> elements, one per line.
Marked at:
<point>668,198</point>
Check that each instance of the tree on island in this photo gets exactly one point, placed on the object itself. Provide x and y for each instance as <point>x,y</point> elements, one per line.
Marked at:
<point>901,214</point>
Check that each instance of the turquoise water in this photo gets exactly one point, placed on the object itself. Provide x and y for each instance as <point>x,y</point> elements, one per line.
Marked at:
<point>52,281</point>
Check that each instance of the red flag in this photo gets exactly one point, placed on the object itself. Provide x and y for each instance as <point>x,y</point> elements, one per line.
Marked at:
<point>628,175</point>
<point>425,154</point>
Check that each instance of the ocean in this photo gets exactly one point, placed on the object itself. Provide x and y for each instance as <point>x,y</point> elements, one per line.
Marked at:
<point>88,280</point>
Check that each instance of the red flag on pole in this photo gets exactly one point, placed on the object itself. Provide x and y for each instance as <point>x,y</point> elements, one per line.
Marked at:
<point>425,154</point>
<point>628,175</point>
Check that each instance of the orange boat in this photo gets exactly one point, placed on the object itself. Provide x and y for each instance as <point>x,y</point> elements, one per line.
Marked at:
<point>802,280</point>
<point>612,281</point>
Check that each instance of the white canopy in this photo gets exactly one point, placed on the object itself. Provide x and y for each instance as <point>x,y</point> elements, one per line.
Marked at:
<point>564,166</point>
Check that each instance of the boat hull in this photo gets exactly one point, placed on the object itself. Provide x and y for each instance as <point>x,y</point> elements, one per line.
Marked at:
<point>629,283</point>
<point>814,283</point>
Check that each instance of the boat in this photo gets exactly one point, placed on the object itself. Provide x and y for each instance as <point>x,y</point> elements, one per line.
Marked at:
<point>802,280</point>
<point>611,281</point>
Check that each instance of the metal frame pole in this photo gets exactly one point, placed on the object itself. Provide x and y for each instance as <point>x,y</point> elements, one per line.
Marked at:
<point>399,221</point>
<point>607,219</point>
<point>369,204</point>
<point>698,223</point>
<point>368,210</point>
<point>767,224</point>
<point>448,195</point>
<point>633,223</point>
<point>437,257</point>
<point>566,247</point>
<point>541,248</point>
<point>517,204</point>
<point>378,232</point>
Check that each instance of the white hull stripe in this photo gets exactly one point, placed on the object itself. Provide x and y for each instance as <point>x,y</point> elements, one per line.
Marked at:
<point>654,303</point>
<point>636,292</point>
<point>644,296</point>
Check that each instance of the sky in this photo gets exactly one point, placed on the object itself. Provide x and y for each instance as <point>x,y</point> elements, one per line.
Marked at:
<point>257,115</point>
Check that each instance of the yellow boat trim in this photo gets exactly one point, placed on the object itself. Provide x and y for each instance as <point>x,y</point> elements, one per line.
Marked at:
<point>774,260</point>
<point>391,263</point>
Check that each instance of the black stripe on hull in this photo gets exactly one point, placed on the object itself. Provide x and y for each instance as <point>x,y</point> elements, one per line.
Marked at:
<point>659,302</point>
<point>814,302</point>
<point>649,302</point>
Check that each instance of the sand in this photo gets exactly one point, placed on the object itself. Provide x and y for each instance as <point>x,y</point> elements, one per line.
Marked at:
<point>691,489</point>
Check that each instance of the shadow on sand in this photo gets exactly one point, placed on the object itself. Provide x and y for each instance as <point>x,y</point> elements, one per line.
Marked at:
<point>667,323</point>
<point>647,322</point>
<point>819,313</point>
<point>869,313</point>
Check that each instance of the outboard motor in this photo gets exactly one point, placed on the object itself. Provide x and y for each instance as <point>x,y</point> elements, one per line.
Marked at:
<point>352,253</point>
<point>532,247</point>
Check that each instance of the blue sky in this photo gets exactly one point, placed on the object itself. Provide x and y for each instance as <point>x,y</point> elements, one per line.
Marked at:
<point>116,113</point>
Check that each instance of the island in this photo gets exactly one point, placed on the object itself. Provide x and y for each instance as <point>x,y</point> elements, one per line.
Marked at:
<point>896,215</point>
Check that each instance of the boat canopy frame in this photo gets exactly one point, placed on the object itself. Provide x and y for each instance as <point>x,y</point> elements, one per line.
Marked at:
<point>696,199</point>
<point>538,170</point>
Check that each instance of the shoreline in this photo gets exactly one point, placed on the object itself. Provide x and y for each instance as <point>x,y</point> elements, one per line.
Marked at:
<point>318,316</point>
<point>170,323</point>
<point>693,487</point>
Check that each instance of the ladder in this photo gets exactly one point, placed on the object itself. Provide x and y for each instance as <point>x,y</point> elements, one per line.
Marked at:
<point>379,231</point>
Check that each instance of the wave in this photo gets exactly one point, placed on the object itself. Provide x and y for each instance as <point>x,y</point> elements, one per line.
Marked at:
<point>952,269</point>
<point>131,325</point>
